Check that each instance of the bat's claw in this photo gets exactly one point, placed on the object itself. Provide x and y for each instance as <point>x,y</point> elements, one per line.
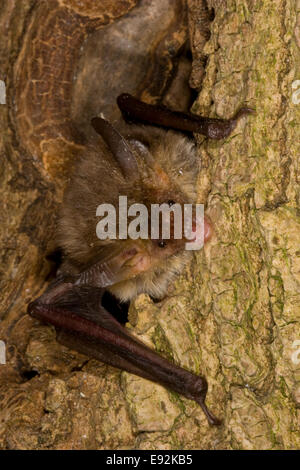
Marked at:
<point>211,418</point>
<point>243,112</point>
<point>220,129</point>
<point>197,391</point>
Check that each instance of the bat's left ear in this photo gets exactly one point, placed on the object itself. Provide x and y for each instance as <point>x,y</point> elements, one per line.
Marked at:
<point>118,146</point>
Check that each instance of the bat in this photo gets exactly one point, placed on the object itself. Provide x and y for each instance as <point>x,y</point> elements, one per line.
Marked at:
<point>151,163</point>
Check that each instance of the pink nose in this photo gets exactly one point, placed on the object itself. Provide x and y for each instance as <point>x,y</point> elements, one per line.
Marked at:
<point>207,229</point>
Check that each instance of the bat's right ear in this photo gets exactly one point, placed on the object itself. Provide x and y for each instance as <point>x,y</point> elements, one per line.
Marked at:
<point>118,146</point>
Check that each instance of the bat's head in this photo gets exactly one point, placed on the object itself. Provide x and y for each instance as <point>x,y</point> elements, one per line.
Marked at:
<point>161,168</point>
<point>157,171</point>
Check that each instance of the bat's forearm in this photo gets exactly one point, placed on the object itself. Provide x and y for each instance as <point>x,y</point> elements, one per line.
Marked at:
<point>134,109</point>
<point>119,349</point>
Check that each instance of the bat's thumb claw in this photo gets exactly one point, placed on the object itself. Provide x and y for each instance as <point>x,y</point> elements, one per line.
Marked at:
<point>211,418</point>
<point>243,112</point>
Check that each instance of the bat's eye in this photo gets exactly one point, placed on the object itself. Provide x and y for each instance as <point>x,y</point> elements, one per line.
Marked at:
<point>162,243</point>
<point>171,202</point>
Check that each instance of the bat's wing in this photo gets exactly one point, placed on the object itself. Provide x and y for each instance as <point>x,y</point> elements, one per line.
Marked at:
<point>136,110</point>
<point>84,325</point>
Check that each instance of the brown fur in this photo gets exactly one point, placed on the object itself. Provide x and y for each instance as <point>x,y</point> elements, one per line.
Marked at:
<point>97,179</point>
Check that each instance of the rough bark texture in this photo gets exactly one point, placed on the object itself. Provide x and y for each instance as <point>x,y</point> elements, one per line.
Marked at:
<point>234,314</point>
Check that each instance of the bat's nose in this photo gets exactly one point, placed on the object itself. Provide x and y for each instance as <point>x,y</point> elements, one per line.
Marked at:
<point>208,230</point>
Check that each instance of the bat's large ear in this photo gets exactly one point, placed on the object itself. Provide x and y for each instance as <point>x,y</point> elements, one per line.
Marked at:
<point>136,110</point>
<point>118,146</point>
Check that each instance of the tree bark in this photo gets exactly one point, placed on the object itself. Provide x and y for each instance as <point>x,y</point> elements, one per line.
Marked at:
<point>233,315</point>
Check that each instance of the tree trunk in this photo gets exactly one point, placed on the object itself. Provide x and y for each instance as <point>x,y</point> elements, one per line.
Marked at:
<point>233,315</point>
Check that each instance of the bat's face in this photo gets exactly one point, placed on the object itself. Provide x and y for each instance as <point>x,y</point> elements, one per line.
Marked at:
<point>153,262</point>
<point>155,252</point>
<point>159,168</point>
